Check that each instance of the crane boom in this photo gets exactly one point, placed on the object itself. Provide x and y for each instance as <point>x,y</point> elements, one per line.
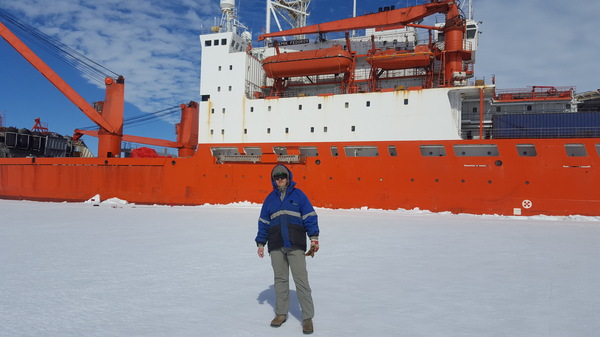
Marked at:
<point>110,121</point>
<point>376,20</point>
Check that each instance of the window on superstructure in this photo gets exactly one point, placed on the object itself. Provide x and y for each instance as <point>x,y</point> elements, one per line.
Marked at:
<point>269,108</point>
<point>575,150</point>
<point>526,150</point>
<point>392,151</point>
<point>251,109</point>
<point>212,132</point>
<point>474,109</point>
<point>207,43</point>
<point>471,31</point>
<point>312,129</point>
<point>223,110</point>
<point>287,130</point>
<point>529,107</point>
<point>300,107</point>
<point>216,42</point>
<point>245,131</point>
<point>224,42</point>
<point>353,128</point>
<point>219,68</point>
<point>222,131</point>
<point>368,103</point>
<point>268,130</point>
<point>230,67</point>
<point>319,106</point>
<point>406,101</point>
<point>498,109</point>
<point>229,88</point>
<point>346,105</point>
<point>218,89</point>
<point>324,129</point>
<point>334,151</point>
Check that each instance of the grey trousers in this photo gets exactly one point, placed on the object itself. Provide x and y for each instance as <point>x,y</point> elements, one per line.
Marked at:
<point>282,261</point>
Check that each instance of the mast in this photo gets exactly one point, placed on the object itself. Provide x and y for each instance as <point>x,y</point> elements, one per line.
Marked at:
<point>294,12</point>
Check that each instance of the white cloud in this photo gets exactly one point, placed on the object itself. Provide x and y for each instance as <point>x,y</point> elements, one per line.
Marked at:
<point>539,42</point>
<point>153,44</point>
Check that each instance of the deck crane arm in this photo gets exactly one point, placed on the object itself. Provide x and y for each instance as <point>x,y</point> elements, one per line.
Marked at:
<point>110,121</point>
<point>394,17</point>
<point>454,52</point>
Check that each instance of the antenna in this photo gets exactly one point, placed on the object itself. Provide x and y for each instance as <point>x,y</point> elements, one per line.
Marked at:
<point>229,22</point>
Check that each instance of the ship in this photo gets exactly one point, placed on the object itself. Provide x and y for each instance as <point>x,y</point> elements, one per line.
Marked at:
<point>378,111</point>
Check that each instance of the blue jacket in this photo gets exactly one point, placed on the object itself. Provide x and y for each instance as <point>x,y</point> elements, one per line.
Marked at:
<point>287,222</point>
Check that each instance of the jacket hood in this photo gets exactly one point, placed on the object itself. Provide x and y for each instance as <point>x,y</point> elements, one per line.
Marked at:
<point>282,168</point>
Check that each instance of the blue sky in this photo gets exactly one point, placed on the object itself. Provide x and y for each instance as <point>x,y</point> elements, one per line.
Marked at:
<point>154,44</point>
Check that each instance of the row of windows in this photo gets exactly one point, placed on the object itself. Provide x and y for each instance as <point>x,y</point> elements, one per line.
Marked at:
<point>223,42</point>
<point>286,130</point>
<point>476,150</point>
<point>320,106</point>
<point>215,42</point>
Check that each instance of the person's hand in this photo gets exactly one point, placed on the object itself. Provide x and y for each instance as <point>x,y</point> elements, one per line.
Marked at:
<point>261,252</point>
<point>314,247</point>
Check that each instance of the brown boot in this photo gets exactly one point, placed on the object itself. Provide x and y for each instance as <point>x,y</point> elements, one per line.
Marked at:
<point>278,320</point>
<point>307,326</point>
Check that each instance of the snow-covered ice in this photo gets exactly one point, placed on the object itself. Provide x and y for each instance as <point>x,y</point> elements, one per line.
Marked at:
<point>72,269</point>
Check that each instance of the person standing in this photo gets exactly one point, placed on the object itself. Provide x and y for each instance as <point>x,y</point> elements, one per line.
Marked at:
<point>286,218</point>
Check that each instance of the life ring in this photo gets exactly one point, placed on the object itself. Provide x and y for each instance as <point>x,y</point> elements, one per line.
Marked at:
<point>552,91</point>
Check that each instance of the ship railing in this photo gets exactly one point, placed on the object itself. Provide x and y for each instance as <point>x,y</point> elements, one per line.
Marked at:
<point>547,132</point>
<point>535,92</point>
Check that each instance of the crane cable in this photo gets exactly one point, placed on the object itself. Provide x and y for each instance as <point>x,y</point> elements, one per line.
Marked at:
<point>61,51</point>
<point>142,119</point>
<point>72,57</point>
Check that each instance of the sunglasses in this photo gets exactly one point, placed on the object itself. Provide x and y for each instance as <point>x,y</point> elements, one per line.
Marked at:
<point>280,176</point>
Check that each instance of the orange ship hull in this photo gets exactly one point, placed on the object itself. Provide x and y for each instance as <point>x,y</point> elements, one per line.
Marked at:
<point>481,185</point>
<point>332,60</point>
